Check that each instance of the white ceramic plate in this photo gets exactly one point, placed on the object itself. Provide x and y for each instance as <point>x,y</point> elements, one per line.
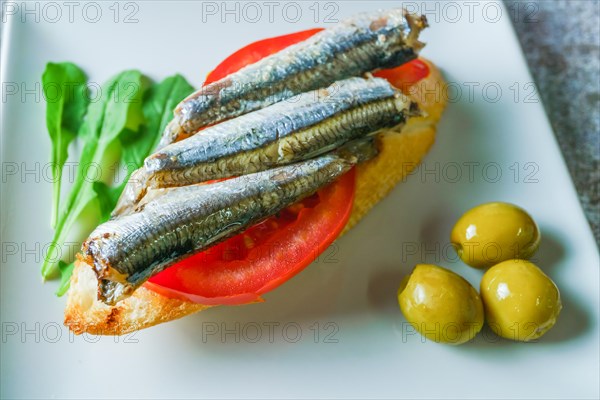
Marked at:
<point>335,330</point>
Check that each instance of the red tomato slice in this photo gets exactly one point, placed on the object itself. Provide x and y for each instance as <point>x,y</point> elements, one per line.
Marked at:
<point>406,75</point>
<point>240,269</point>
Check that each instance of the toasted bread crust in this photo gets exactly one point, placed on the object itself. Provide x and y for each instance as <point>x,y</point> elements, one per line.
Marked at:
<point>85,313</point>
<point>399,155</point>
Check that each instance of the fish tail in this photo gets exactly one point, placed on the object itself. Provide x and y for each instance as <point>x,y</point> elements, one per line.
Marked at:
<point>416,24</point>
<point>415,111</point>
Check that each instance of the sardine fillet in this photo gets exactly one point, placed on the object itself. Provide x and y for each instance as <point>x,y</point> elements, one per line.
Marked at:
<point>290,131</point>
<point>310,141</point>
<point>363,43</point>
<point>128,250</point>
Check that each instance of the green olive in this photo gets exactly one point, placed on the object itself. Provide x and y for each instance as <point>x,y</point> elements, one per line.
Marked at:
<point>440,304</point>
<point>521,302</point>
<point>494,232</point>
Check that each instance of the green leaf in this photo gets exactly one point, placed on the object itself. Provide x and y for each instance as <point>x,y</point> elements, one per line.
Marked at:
<point>66,95</point>
<point>160,102</point>
<point>107,198</point>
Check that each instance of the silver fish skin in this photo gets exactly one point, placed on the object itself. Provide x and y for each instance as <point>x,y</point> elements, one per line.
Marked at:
<point>313,123</point>
<point>360,105</point>
<point>360,44</point>
<point>126,251</point>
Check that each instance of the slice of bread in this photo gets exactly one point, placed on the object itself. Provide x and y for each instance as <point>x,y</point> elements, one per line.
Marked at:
<point>400,154</point>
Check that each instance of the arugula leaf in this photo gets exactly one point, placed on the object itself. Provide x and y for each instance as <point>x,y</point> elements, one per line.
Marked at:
<point>159,104</point>
<point>118,110</point>
<point>66,101</point>
<point>107,198</point>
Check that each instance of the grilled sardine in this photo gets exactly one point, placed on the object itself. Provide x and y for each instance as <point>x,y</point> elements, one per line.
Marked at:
<point>360,44</point>
<point>289,131</point>
<point>126,251</point>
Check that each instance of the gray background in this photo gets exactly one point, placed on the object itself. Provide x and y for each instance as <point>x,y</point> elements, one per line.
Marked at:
<point>561,41</point>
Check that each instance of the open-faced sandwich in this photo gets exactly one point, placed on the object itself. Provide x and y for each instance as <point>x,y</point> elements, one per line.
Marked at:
<point>288,145</point>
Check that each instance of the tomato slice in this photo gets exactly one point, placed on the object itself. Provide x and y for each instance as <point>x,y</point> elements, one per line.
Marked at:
<point>406,75</point>
<point>242,268</point>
